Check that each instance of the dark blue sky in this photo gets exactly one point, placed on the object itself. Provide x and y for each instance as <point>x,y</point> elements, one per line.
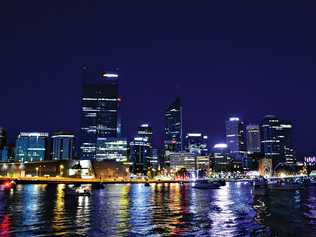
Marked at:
<point>222,57</point>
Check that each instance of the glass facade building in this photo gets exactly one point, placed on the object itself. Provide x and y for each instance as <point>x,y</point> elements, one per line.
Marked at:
<point>276,140</point>
<point>4,154</point>
<point>99,114</point>
<point>235,138</point>
<point>31,147</point>
<point>140,154</point>
<point>112,149</point>
<point>141,151</point>
<point>196,143</point>
<point>63,146</point>
<point>173,127</point>
<point>253,138</point>
<point>220,160</point>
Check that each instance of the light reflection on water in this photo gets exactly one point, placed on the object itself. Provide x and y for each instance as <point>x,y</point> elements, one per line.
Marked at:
<point>158,210</point>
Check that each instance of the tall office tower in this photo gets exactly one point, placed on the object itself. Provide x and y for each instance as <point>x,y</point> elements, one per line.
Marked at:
<point>235,138</point>
<point>141,149</point>
<point>287,142</point>
<point>145,131</point>
<point>196,144</point>
<point>276,140</point>
<point>4,154</point>
<point>173,127</point>
<point>220,159</point>
<point>140,154</point>
<point>3,138</point>
<point>253,138</point>
<point>63,146</point>
<point>31,147</point>
<point>99,114</point>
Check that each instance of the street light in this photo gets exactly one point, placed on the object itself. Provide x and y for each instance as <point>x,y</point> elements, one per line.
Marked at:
<point>36,171</point>
<point>61,170</point>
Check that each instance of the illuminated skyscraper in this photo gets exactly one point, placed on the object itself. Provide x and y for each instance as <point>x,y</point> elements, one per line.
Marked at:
<point>173,127</point>
<point>141,149</point>
<point>220,159</point>
<point>235,138</point>
<point>63,146</point>
<point>253,138</point>
<point>196,144</point>
<point>31,147</point>
<point>276,140</point>
<point>99,114</point>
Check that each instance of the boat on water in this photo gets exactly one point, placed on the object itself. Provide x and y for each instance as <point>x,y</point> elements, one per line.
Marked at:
<point>78,191</point>
<point>9,185</point>
<point>205,184</point>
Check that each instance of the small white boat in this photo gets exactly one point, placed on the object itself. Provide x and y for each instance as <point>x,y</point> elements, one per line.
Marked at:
<point>205,184</point>
<point>78,191</point>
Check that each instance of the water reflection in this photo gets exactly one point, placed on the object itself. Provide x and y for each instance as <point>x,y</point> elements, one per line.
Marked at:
<point>158,210</point>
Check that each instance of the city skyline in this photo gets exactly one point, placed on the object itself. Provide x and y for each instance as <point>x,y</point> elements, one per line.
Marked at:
<point>217,71</point>
<point>157,118</point>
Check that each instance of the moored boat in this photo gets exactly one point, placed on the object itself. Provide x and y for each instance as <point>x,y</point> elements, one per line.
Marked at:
<point>78,191</point>
<point>9,185</point>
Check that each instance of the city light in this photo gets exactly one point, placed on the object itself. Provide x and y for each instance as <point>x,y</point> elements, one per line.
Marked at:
<point>220,146</point>
<point>110,75</point>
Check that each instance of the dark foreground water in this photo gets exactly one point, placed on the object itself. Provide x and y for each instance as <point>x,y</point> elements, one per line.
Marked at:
<point>159,210</point>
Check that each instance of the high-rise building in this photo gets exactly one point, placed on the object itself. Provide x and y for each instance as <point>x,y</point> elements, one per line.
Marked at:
<point>63,146</point>
<point>140,154</point>
<point>220,159</point>
<point>100,110</point>
<point>173,127</point>
<point>31,147</point>
<point>112,149</point>
<point>4,154</point>
<point>3,138</point>
<point>287,142</point>
<point>196,143</point>
<point>235,138</point>
<point>276,140</point>
<point>253,138</point>
<point>141,149</point>
<point>145,131</point>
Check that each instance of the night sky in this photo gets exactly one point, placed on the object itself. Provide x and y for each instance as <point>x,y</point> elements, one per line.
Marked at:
<point>223,58</point>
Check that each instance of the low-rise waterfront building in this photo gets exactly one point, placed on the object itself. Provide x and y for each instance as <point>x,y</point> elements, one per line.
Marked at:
<point>31,146</point>
<point>66,168</point>
<point>112,149</point>
<point>63,146</point>
<point>188,161</point>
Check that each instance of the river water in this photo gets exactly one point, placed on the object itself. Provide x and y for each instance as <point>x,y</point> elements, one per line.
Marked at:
<point>158,210</point>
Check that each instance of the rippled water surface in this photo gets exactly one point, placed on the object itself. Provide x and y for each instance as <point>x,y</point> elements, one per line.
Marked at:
<point>158,210</point>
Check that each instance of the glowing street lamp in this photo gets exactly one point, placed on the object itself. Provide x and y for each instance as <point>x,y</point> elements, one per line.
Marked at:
<point>61,170</point>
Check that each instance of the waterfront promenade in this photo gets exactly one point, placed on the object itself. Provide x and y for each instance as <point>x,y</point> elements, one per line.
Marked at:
<point>66,180</point>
